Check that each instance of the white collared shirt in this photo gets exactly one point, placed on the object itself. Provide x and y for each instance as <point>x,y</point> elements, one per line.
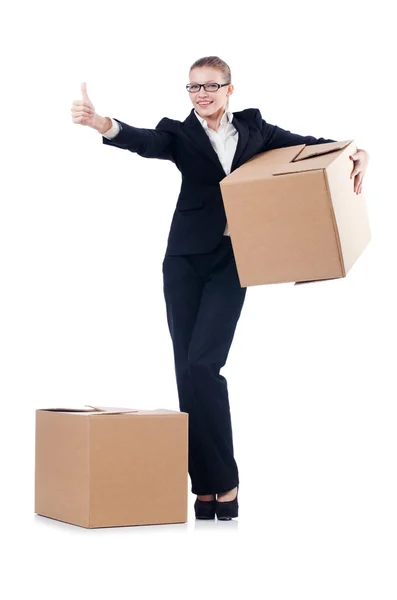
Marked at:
<point>224,141</point>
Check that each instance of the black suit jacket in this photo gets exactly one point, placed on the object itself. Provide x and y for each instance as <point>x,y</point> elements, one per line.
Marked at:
<point>199,218</point>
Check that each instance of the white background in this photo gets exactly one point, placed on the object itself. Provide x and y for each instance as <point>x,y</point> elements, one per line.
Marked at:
<point>83,230</point>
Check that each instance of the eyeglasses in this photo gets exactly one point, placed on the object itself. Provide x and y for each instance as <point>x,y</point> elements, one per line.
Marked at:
<point>209,87</point>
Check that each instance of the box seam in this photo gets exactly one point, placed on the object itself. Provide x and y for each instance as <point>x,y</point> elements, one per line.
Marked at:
<point>335,225</point>
<point>89,470</point>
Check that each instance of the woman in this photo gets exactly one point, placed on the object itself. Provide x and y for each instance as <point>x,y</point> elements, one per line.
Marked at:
<point>202,291</point>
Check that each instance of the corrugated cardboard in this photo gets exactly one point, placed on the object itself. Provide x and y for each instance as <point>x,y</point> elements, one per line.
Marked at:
<point>293,214</point>
<point>107,466</point>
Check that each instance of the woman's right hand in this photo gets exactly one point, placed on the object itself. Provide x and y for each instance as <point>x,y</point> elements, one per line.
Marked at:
<point>83,111</point>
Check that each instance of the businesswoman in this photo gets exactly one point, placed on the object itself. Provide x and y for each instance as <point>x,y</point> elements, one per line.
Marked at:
<point>202,291</point>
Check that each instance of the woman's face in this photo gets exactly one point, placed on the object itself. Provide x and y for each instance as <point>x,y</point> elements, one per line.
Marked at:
<point>217,100</point>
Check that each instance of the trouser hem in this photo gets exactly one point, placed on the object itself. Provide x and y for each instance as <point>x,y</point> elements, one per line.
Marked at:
<point>219,490</point>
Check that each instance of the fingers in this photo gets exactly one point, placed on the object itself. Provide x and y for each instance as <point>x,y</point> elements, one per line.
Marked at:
<point>357,173</point>
<point>358,183</point>
<point>80,111</point>
<point>79,107</point>
<point>81,117</point>
<point>81,103</point>
<point>82,120</point>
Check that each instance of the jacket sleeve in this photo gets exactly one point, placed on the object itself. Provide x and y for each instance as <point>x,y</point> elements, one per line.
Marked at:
<point>149,143</point>
<point>276,137</point>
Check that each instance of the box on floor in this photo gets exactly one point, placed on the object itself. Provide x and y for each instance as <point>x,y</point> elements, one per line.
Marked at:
<point>104,466</point>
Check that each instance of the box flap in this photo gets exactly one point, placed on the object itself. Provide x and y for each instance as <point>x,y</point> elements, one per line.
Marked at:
<point>320,149</point>
<point>106,410</point>
<point>311,158</point>
<point>93,410</point>
<point>112,410</point>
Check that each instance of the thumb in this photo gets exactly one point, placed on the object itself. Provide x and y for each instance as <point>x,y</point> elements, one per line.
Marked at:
<point>84,92</point>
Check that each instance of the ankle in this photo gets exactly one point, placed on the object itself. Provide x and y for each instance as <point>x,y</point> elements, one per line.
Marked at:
<point>206,497</point>
<point>227,496</point>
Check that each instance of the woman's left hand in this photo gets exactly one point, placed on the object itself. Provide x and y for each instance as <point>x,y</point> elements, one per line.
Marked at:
<point>360,161</point>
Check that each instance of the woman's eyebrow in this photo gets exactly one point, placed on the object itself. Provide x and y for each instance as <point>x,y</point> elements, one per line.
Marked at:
<point>208,81</point>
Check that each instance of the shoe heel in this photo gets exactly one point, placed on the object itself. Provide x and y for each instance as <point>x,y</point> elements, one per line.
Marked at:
<point>227,510</point>
<point>204,509</point>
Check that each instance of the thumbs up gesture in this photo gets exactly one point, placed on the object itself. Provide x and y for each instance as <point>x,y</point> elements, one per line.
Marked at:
<point>83,111</point>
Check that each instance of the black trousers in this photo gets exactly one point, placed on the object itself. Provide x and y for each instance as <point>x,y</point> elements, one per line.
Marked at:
<point>204,300</point>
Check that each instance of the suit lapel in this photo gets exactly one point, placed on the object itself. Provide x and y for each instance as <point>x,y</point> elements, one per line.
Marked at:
<point>200,139</point>
<point>243,135</point>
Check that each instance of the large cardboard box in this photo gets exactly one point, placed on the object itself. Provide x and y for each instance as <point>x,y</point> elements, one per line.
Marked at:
<point>293,214</point>
<point>105,466</point>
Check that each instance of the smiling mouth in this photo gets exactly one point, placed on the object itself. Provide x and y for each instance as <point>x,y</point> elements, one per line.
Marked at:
<point>204,103</point>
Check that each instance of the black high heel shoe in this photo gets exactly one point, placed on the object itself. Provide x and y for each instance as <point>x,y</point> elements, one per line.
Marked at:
<point>205,509</point>
<point>227,510</point>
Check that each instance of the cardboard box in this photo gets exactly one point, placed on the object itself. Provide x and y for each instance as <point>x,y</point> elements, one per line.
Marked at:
<point>293,214</point>
<point>106,466</point>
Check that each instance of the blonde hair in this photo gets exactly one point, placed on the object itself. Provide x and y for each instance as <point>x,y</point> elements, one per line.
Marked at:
<point>216,63</point>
